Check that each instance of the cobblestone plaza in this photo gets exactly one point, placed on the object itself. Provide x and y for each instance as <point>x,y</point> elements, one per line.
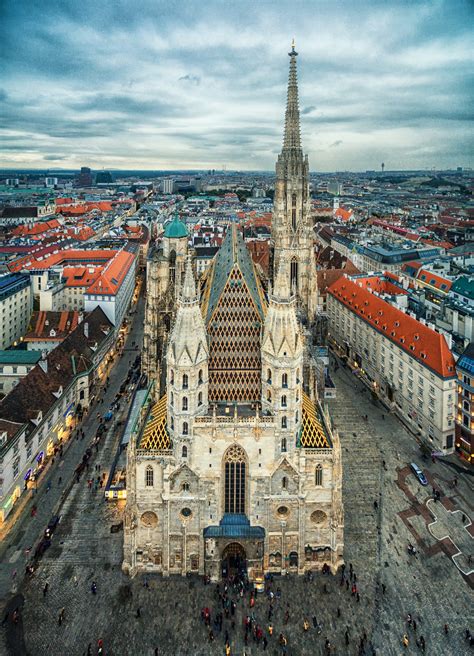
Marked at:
<point>429,585</point>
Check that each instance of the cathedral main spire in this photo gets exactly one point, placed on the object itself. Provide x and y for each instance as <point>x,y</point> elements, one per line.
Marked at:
<point>292,117</point>
<point>292,227</point>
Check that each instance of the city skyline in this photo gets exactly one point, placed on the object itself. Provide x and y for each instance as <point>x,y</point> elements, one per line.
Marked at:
<point>192,87</point>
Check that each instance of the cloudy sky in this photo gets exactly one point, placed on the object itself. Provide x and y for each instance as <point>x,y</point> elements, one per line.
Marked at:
<point>201,83</point>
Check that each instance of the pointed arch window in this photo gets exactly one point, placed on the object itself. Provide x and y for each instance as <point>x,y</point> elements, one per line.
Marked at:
<point>200,378</point>
<point>149,476</point>
<point>172,399</point>
<point>200,398</point>
<point>293,211</point>
<point>172,423</point>
<point>171,377</point>
<point>185,486</point>
<point>297,416</point>
<point>185,428</point>
<point>284,380</point>
<point>269,376</point>
<point>283,444</point>
<point>283,401</point>
<point>185,403</point>
<point>318,477</point>
<point>297,376</point>
<point>269,396</point>
<point>235,464</point>
<point>284,422</point>
<point>294,273</point>
<point>184,452</point>
<point>185,381</point>
<point>284,482</point>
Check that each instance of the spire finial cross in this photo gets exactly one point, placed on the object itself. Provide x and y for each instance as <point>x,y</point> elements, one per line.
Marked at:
<point>293,51</point>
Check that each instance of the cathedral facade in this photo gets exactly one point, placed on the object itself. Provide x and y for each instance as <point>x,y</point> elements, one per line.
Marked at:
<point>235,459</point>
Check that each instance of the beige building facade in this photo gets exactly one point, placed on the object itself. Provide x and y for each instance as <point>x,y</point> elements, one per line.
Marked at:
<point>407,363</point>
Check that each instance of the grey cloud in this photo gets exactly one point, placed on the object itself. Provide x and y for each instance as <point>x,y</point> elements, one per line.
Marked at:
<point>205,78</point>
<point>193,79</point>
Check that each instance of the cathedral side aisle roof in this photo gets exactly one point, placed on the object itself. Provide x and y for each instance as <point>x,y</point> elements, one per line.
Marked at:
<point>233,252</point>
<point>155,434</point>
<point>313,434</point>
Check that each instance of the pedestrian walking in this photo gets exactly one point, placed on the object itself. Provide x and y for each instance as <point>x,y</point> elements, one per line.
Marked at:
<point>138,613</point>
<point>45,589</point>
<point>346,638</point>
<point>94,587</point>
<point>446,629</point>
<point>61,616</point>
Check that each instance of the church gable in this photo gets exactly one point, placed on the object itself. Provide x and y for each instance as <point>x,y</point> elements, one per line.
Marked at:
<point>284,479</point>
<point>184,479</point>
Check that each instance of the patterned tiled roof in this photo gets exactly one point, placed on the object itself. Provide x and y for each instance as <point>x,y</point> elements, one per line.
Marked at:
<point>234,308</point>
<point>312,433</point>
<point>233,252</point>
<point>155,435</point>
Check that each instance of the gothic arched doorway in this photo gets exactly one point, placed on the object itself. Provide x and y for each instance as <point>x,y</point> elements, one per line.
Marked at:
<point>234,560</point>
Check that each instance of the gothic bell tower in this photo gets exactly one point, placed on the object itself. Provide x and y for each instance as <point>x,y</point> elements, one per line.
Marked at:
<point>292,231</point>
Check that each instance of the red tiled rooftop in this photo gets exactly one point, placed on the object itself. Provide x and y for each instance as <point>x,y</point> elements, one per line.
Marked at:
<point>113,274</point>
<point>418,340</point>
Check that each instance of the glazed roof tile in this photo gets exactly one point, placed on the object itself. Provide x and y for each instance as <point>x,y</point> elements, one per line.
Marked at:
<point>155,434</point>
<point>233,252</point>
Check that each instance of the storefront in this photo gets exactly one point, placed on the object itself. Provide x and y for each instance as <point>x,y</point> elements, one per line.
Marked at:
<point>8,504</point>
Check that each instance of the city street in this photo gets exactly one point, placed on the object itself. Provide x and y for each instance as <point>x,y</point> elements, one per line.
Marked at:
<point>62,497</point>
<point>427,585</point>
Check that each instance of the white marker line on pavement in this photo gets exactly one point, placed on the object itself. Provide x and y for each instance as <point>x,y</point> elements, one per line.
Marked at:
<point>14,557</point>
<point>448,537</point>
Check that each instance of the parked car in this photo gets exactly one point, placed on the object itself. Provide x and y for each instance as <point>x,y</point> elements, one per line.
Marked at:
<point>418,473</point>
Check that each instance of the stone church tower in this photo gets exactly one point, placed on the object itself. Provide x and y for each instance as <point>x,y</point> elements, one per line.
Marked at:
<point>233,466</point>
<point>164,274</point>
<point>292,230</point>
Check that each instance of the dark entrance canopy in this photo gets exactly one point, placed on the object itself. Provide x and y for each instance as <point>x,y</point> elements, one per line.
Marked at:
<point>235,526</point>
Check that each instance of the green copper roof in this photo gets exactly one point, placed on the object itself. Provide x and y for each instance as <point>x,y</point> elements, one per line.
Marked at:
<point>17,356</point>
<point>233,252</point>
<point>464,286</point>
<point>175,229</point>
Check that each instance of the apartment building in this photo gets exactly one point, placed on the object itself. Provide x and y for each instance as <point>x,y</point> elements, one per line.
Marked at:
<point>37,415</point>
<point>465,405</point>
<point>14,365</point>
<point>113,289</point>
<point>406,362</point>
<point>16,306</point>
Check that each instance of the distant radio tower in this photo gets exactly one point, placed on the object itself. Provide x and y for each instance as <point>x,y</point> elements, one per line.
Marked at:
<point>383,167</point>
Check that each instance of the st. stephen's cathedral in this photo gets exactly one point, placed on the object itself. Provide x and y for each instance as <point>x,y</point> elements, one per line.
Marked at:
<point>234,460</point>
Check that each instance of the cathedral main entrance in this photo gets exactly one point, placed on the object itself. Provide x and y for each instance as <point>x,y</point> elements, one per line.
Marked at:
<point>234,560</point>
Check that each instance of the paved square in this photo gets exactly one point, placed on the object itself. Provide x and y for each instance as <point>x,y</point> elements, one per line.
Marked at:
<point>428,586</point>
